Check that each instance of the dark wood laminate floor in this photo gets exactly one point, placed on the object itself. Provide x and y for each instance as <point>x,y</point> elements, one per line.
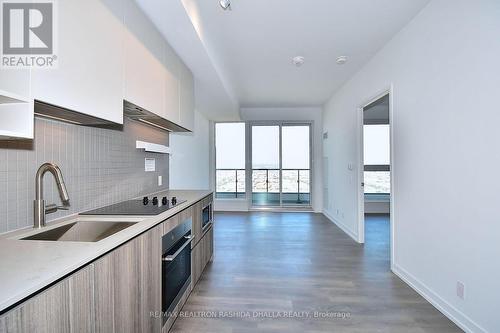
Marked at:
<point>279,262</point>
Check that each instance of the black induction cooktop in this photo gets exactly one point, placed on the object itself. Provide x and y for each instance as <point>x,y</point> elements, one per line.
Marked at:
<point>134,207</point>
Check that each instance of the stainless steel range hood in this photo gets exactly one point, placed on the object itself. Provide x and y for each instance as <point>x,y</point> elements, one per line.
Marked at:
<point>135,112</point>
<point>130,110</point>
<point>54,112</point>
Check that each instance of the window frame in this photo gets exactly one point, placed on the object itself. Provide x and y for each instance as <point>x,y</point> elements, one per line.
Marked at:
<point>376,167</point>
<point>243,197</point>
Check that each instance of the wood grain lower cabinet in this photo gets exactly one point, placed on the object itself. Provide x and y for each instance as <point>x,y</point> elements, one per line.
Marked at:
<point>196,229</point>
<point>128,286</point>
<point>209,244</point>
<point>196,263</point>
<point>177,219</point>
<point>119,292</point>
<point>201,254</point>
<point>197,217</point>
<point>67,306</point>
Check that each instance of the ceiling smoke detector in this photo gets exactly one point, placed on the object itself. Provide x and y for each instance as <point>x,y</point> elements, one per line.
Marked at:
<point>341,60</point>
<point>298,61</point>
<point>225,4</point>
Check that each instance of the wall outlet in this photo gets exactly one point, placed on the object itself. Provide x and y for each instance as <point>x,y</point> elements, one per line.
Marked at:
<point>160,180</point>
<point>460,290</point>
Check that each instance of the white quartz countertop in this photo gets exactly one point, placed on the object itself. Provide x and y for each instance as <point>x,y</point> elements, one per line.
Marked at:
<point>26,266</point>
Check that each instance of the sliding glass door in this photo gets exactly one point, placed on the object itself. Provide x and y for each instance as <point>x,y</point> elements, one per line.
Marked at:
<point>280,163</point>
<point>295,164</point>
<point>266,166</point>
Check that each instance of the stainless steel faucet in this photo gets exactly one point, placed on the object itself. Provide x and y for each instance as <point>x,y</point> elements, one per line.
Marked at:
<point>40,208</point>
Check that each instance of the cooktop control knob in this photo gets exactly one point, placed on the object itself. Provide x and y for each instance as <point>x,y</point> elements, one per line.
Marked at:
<point>174,201</point>
<point>145,201</point>
<point>164,201</point>
<point>155,201</point>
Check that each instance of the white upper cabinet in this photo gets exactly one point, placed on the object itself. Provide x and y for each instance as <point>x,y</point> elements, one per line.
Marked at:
<point>107,51</point>
<point>187,98</point>
<point>89,73</point>
<point>14,85</point>
<point>172,85</point>
<point>16,107</point>
<point>156,79</point>
<point>145,83</point>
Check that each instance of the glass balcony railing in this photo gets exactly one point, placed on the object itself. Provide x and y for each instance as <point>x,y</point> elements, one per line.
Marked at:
<point>377,179</point>
<point>295,186</point>
<point>377,182</point>
<point>230,183</point>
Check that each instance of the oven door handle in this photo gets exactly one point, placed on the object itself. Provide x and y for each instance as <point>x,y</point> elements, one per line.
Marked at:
<point>173,256</point>
<point>207,225</point>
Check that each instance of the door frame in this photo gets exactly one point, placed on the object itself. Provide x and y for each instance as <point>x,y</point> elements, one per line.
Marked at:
<point>248,173</point>
<point>360,174</point>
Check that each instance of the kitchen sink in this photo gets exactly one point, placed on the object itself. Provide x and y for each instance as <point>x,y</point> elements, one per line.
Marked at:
<point>81,231</point>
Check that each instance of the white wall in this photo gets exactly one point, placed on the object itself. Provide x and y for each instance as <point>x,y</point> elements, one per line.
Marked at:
<point>298,114</point>
<point>189,162</point>
<point>445,70</point>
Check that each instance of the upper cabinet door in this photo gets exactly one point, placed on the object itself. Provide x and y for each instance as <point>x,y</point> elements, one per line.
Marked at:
<point>16,107</point>
<point>172,85</point>
<point>144,58</point>
<point>187,98</point>
<point>14,84</point>
<point>89,73</point>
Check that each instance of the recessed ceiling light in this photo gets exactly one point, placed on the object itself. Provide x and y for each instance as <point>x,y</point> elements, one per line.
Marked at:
<point>341,60</point>
<point>298,61</point>
<point>225,4</point>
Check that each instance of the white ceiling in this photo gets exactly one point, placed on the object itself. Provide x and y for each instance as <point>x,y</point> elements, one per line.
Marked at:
<point>213,98</point>
<point>250,48</point>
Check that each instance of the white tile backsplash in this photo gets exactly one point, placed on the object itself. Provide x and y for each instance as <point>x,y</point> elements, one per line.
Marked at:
<point>100,167</point>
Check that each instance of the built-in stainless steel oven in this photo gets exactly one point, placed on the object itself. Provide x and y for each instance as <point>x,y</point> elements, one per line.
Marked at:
<point>176,266</point>
<point>206,216</point>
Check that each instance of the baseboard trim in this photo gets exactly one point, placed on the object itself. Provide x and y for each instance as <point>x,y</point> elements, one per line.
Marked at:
<point>455,315</point>
<point>342,226</point>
